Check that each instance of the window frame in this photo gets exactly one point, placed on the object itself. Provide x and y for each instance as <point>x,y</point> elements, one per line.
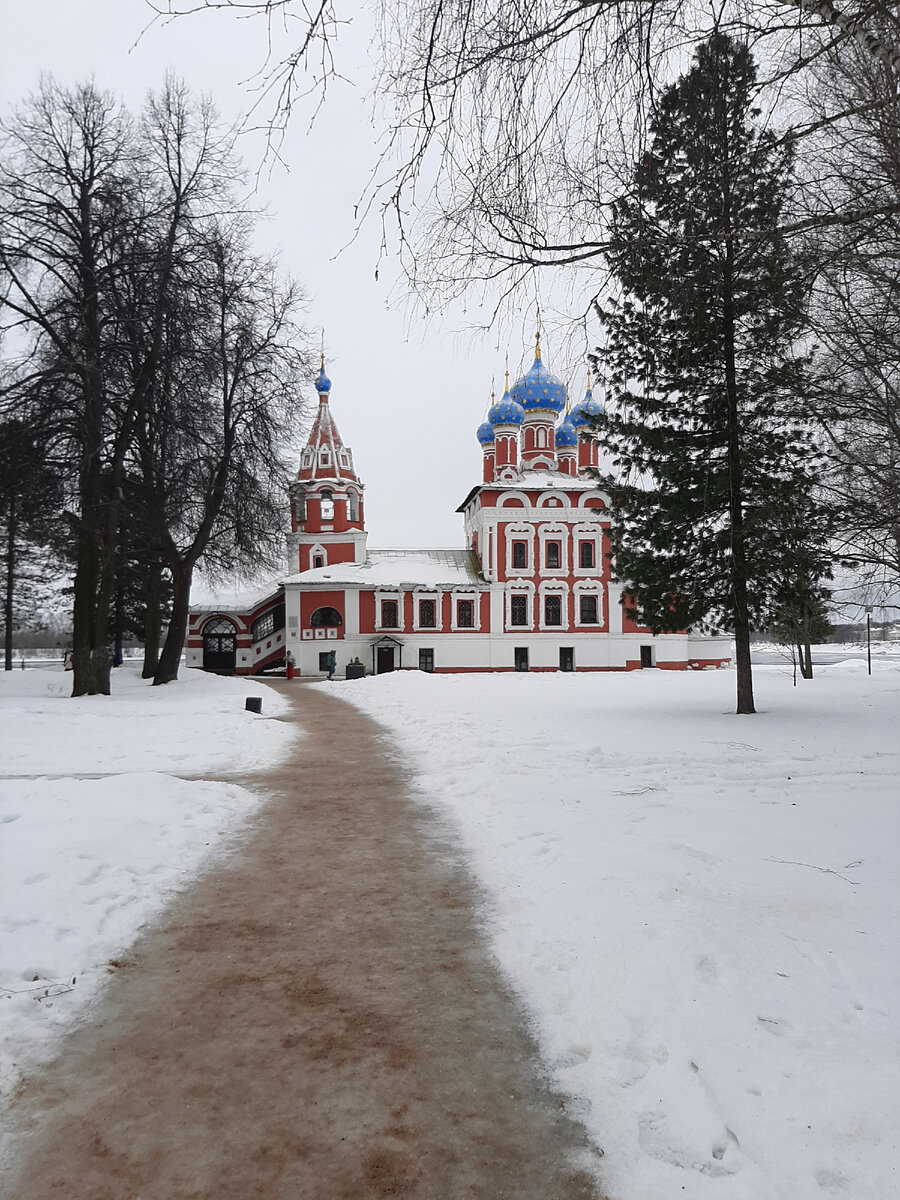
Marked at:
<point>518,599</point>
<point>589,597</point>
<point>553,600</point>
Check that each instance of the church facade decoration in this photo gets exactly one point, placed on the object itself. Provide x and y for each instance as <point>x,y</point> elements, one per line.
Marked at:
<point>532,590</point>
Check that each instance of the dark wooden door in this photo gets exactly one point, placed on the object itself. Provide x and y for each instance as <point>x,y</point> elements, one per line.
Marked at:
<point>220,647</point>
<point>384,659</point>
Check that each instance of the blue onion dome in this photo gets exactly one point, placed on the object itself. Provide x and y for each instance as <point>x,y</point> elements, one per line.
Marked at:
<point>507,411</point>
<point>323,383</point>
<point>538,389</point>
<point>485,433</point>
<point>584,414</point>
<point>566,433</point>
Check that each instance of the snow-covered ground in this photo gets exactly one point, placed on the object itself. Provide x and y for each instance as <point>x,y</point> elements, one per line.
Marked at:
<point>98,828</point>
<point>701,911</point>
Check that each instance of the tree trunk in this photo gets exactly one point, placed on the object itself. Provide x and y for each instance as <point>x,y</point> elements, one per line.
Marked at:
<point>736,502</point>
<point>167,670</point>
<point>806,663</point>
<point>152,620</point>
<point>118,622</point>
<point>10,586</point>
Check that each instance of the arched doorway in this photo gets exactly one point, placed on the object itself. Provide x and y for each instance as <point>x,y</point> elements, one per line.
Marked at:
<point>219,646</point>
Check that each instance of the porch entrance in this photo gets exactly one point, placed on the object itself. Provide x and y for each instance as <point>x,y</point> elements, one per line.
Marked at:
<point>384,659</point>
<point>219,646</point>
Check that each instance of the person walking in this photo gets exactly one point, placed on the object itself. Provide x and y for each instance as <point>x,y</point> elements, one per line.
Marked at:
<point>289,664</point>
<point>332,663</point>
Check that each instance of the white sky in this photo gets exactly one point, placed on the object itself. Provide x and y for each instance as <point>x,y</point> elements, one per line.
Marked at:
<point>407,397</point>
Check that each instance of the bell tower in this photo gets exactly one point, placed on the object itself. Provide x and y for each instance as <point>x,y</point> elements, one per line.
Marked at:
<point>327,497</point>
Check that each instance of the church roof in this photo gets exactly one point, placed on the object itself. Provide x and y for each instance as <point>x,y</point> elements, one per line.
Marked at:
<point>400,568</point>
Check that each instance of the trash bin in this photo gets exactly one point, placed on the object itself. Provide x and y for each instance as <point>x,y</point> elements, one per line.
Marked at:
<point>355,669</point>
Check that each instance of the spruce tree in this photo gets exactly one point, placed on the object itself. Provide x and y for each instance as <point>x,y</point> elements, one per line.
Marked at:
<point>714,477</point>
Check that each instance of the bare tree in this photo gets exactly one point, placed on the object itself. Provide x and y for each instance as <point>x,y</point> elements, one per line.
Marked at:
<point>210,453</point>
<point>857,310</point>
<point>105,227</point>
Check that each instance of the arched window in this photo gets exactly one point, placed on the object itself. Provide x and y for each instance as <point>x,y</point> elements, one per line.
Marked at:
<point>353,504</point>
<point>325,616</point>
<point>327,505</point>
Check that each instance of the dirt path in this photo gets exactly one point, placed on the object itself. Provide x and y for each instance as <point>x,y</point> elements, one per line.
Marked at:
<point>317,1018</point>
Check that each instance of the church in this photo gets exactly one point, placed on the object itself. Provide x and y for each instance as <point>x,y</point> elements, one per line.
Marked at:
<point>532,589</point>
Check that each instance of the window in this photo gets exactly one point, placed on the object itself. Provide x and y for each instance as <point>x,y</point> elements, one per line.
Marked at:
<point>389,614</point>
<point>566,658</point>
<point>465,614</point>
<point>554,554</point>
<point>520,657</point>
<point>299,509</point>
<point>520,555</point>
<point>219,633</point>
<point>353,509</point>
<point>518,610</point>
<point>262,626</point>
<point>324,657</point>
<point>586,554</point>
<point>553,610</point>
<point>648,658</point>
<point>318,560</point>
<point>267,624</point>
<point>587,611</point>
<point>325,616</point>
<point>426,660</point>
<point>327,505</point>
<point>426,614</point>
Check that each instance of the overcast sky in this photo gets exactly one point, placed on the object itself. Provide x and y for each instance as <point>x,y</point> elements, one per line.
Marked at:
<point>407,395</point>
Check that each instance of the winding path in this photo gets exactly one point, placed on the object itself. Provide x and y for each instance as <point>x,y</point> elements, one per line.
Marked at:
<point>319,1017</point>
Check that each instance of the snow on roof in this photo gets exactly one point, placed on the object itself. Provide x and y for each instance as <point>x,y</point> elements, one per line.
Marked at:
<point>396,568</point>
<point>529,480</point>
<point>206,598</point>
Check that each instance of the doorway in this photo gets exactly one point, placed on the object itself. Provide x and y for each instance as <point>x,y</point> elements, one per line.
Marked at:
<point>219,646</point>
<point>647,656</point>
<point>384,659</point>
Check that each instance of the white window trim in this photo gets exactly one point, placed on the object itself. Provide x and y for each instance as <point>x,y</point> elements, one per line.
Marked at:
<point>554,588</point>
<point>525,588</point>
<point>589,588</point>
<point>317,549</point>
<point>475,597</point>
<point>583,532</point>
<point>554,532</point>
<point>428,594</point>
<point>380,596</point>
<point>518,531</point>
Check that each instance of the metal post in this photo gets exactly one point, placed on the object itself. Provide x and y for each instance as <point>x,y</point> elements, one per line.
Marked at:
<point>869,638</point>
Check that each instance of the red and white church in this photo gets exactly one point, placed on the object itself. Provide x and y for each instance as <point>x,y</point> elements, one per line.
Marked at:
<point>531,591</point>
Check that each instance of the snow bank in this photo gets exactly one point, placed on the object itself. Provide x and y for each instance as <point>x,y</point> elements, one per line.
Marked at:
<point>97,831</point>
<point>701,910</point>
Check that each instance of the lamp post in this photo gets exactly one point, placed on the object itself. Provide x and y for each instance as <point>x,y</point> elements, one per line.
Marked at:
<point>869,637</point>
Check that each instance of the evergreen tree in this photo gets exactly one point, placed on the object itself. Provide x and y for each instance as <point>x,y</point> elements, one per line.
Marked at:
<point>715,467</point>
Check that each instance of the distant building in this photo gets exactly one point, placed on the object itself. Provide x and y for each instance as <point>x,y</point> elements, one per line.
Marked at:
<point>532,590</point>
